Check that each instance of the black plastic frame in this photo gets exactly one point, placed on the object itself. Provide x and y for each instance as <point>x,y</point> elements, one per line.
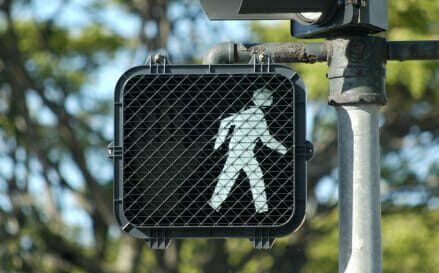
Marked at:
<point>302,153</point>
<point>367,17</point>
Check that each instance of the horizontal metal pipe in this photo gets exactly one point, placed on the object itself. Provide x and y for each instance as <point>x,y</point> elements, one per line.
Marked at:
<point>291,52</point>
<point>298,52</point>
<point>223,53</point>
<point>413,50</point>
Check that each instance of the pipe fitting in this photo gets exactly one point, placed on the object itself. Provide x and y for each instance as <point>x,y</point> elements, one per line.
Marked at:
<point>357,71</point>
<point>223,53</point>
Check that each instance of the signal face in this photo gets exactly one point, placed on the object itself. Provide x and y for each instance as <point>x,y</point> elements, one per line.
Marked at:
<point>210,151</point>
<point>310,19</point>
<point>354,16</point>
<point>261,9</point>
<point>283,6</point>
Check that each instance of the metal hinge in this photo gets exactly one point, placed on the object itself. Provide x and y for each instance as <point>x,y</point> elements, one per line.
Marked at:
<point>158,239</point>
<point>261,62</point>
<point>262,239</point>
<point>157,63</point>
<point>114,151</point>
<point>305,151</point>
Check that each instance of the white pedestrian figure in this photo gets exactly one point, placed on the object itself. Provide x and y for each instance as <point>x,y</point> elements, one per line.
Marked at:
<point>249,126</point>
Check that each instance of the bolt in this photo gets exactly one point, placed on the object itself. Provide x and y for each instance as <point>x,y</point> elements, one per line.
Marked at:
<point>158,58</point>
<point>263,58</point>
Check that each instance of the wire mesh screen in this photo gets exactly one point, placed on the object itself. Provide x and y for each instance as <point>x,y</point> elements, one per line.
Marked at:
<point>207,150</point>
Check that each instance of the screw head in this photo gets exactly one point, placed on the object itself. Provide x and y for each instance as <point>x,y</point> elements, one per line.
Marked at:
<point>158,58</point>
<point>263,58</point>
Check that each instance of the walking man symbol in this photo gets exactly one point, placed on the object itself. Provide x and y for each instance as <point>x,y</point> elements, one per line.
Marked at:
<point>249,126</point>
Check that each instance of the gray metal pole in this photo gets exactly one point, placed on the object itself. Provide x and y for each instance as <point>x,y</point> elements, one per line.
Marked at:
<point>359,189</point>
<point>357,76</point>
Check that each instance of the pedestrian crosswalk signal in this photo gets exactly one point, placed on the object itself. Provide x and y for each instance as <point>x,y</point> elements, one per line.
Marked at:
<point>210,151</point>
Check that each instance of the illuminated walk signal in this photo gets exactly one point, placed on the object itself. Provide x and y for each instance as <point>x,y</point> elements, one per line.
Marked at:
<point>210,151</point>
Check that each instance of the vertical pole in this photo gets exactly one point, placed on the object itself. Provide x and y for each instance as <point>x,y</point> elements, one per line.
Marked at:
<point>357,75</point>
<point>359,190</point>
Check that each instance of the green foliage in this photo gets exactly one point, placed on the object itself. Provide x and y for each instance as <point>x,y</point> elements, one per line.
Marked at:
<point>413,20</point>
<point>53,63</point>
<point>323,251</point>
<point>64,55</point>
<point>410,241</point>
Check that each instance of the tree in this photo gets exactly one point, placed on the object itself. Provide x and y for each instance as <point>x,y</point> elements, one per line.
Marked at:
<point>54,131</point>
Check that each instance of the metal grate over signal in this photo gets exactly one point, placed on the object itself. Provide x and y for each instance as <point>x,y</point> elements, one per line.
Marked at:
<point>174,176</point>
<point>210,151</point>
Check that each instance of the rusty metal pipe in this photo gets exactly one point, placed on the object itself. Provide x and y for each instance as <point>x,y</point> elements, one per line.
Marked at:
<point>223,53</point>
<point>290,52</point>
<point>298,52</point>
